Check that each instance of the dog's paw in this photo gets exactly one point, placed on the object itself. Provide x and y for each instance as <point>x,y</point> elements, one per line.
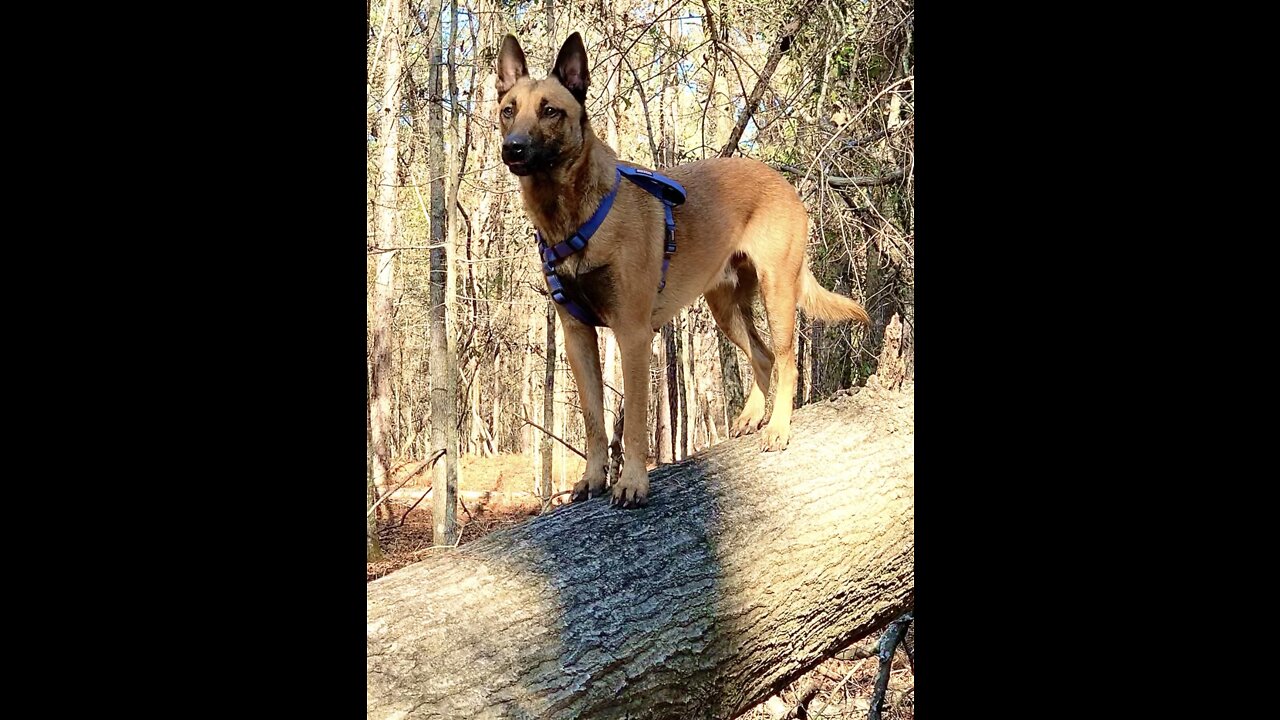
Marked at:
<point>587,488</point>
<point>745,425</point>
<point>631,492</point>
<point>775,439</point>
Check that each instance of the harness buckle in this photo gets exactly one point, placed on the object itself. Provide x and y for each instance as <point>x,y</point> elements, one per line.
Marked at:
<point>576,242</point>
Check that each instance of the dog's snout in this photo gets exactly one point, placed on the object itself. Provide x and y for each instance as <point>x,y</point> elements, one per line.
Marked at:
<point>515,147</point>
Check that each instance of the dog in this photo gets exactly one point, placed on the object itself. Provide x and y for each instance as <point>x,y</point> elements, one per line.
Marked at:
<point>741,228</point>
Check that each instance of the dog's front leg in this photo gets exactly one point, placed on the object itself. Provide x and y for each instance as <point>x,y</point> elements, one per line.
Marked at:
<point>632,489</point>
<point>584,359</point>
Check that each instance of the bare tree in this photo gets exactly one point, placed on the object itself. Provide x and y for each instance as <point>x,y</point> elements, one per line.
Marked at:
<point>372,546</point>
<point>548,403</point>
<point>381,417</point>
<point>444,401</point>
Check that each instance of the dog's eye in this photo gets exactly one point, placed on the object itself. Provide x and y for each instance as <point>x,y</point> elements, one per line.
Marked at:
<point>550,112</point>
<point>508,111</point>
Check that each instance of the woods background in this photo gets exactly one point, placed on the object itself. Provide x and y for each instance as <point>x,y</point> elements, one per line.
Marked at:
<point>465,351</point>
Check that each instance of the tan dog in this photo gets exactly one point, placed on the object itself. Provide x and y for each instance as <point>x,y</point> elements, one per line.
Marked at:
<point>742,228</point>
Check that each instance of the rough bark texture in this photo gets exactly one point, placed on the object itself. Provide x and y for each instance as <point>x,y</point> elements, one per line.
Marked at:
<point>383,288</point>
<point>444,408</point>
<point>372,547</point>
<point>732,379</point>
<point>745,570</point>
<point>548,402</point>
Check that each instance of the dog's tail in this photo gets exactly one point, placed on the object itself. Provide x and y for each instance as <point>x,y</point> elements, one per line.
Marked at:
<point>819,302</point>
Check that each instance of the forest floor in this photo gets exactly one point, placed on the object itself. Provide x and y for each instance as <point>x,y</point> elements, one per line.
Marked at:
<point>498,492</point>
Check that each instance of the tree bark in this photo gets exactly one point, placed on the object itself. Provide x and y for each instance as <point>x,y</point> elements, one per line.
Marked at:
<point>381,412</point>
<point>372,547</point>
<point>495,432</point>
<point>743,572</point>
<point>731,378</point>
<point>548,402</point>
<point>689,400</point>
<point>664,445</point>
<point>560,407</point>
<point>444,398</point>
<point>681,387</point>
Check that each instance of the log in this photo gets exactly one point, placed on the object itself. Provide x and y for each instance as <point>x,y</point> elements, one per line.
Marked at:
<point>745,570</point>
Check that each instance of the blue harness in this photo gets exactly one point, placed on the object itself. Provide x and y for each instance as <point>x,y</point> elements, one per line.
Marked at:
<point>670,192</point>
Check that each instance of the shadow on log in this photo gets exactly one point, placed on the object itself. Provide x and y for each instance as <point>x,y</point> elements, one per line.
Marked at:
<point>745,570</point>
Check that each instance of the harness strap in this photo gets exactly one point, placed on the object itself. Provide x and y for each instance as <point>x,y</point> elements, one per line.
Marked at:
<point>668,191</point>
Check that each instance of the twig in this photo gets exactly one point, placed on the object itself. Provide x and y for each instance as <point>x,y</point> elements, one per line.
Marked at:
<point>909,645</point>
<point>842,181</point>
<point>429,463</point>
<point>615,445</point>
<point>414,505</point>
<point>780,45</point>
<point>546,502</point>
<point>857,652</point>
<point>439,547</point>
<point>803,698</point>
<point>888,643</point>
<point>435,458</point>
<point>553,437</point>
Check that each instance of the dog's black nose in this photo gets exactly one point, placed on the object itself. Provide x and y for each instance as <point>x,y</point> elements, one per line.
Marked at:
<point>515,147</point>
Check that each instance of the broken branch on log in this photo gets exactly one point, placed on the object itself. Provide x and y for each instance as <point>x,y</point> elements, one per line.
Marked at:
<point>888,644</point>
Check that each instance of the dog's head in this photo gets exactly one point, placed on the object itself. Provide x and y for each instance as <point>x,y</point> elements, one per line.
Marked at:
<point>542,121</point>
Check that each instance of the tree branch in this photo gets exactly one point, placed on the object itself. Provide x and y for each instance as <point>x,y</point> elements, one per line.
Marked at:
<point>781,45</point>
<point>849,181</point>
<point>888,644</point>
<point>554,437</point>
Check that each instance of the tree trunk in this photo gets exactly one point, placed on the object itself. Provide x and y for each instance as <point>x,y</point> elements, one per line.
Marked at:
<point>689,400</point>
<point>548,402</point>
<point>381,413</point>
<point>802,360</point>
<point>474,430</point>
<point>444,397</point>
<point>560,407</point>
<point>731,378</point>
<point>528,437</point>
<point>742,573</point>
<point>610,366</point>
<point>495,427</point>
<point>664,447</point>
<point>372,548</point>
<point>679,410</point>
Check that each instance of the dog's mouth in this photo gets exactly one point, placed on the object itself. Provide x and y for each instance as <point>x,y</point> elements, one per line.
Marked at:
<point>536,159</point>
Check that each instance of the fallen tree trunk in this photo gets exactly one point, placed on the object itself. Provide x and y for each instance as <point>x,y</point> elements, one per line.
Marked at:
<point>745,570</point>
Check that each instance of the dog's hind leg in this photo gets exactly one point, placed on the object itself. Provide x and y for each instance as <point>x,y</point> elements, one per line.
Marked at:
<point>779,290</point>
<point>731,308</point>
<point>584,359</point>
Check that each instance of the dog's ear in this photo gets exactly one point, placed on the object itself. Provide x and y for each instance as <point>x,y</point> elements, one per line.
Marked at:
<point>511,64</point>
<point>571,67</point>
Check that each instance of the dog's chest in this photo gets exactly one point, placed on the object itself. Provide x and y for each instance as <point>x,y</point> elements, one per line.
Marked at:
<point>591,286</point>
